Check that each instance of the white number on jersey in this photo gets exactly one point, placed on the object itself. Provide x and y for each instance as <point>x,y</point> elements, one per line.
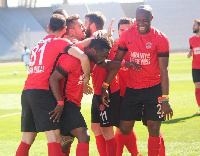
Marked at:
<point>34,52</point>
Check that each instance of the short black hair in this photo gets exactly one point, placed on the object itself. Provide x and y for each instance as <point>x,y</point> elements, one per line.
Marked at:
<point>57,22</point>
<point>61,11</point>
<point>124,20</point>
<point>100,43</point>
<point>96,17</point>
<point>70,21</point>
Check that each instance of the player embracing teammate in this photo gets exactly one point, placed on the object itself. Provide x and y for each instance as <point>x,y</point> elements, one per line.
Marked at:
<point>147,89</point>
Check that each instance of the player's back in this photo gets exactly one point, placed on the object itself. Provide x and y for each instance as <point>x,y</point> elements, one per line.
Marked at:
<point>43,57</point>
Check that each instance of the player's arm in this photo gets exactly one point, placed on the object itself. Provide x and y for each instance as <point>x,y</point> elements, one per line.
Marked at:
<point>166,107</point>
<point>84,43</point>
<point>110,75</point>
<point>163,60</point>
<point>116,65</point>
<point>85,63</point>
<point>190,53</point>
<point>55,87</point>
<point>113,68</point>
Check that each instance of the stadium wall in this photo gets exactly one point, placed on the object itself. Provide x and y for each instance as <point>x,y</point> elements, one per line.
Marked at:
<point>25,26</point>
<point>18,27</point>
<point>175,18</point>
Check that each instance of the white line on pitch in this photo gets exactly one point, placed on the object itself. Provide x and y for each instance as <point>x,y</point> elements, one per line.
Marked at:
<point>9,114</point>
<point>20,112</point>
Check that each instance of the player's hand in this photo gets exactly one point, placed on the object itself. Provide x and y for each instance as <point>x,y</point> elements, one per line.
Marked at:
<point>87,89</point>
<point>133,22</point>
<point>99,33</point>
<point>56,113</point>
<point>166,110</point>
<point>189,55</point>
<point>105,97</point>
<point>74,40</point>
<point>110,30</point>
<point>132,65</point>
<point>106,33</point>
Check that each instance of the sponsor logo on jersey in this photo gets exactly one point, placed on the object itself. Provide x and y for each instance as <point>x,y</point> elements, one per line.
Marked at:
<point>140,58</point>
<point>148,45</point>
<point>35,69</point>
<point>196,51</point>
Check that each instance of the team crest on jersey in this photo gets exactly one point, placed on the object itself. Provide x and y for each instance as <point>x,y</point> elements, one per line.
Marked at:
<point>148,45</point>
<point>102,107</point>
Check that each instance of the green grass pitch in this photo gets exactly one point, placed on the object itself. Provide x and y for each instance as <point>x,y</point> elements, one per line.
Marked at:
<point>181,134</point>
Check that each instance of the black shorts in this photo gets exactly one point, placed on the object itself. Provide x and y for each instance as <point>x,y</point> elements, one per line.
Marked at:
<point>144,119</point>
<point>106,116</point>
<point>196,75</point>
<point>36,105</point>
<point>71,118</point>
<point>136,99</point>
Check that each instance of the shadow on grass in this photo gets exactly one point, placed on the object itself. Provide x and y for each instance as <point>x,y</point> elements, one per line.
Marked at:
<point>177,120</point>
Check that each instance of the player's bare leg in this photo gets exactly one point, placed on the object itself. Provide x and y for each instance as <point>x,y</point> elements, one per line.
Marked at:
<point>111,144</point>
<point>154,139</point>
<point>130,141</point>
<point>27,140</point>
<point>105,139</point>
<point>54,146</point>
<point>83,137</point>
<point>126,128</point>
<point>100,140</point>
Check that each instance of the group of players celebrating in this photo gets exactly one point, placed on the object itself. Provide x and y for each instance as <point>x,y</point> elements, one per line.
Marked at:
<point>129,77</point>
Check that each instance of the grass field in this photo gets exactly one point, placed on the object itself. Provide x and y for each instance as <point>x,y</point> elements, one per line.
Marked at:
<point>181,134</point>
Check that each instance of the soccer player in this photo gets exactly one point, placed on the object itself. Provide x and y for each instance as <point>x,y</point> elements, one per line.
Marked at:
<point>128,140</point>
<point>37,100</point>
<point>26,57</point>
<point>70,74</point>
<point>123,24</point>
<point>75,32</point>
<point>75,28</point>
<point>149,48</point>
<point>195,52</point>
<point>103,118</point>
